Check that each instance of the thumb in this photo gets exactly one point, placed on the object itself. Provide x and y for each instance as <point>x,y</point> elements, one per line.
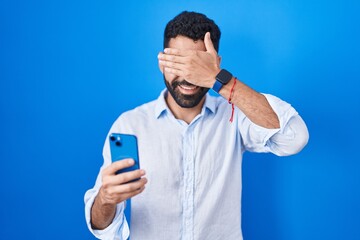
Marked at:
<point>208,43</point>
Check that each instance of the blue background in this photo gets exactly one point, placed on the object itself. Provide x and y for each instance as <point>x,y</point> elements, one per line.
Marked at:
<point>69,68</point>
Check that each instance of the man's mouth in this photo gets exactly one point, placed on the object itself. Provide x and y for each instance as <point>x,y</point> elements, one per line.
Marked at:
<point>188,89</point>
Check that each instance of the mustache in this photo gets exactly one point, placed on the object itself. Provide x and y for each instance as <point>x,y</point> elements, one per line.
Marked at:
<point>182,82</point>
<point>176,83</point>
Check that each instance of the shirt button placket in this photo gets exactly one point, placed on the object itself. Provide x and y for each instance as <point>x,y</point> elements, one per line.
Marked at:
<point>188,201</point>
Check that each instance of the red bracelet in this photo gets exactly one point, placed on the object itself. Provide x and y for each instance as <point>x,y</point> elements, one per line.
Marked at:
<point>230,96</point>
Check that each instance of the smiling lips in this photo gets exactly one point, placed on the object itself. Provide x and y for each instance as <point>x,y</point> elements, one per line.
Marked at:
<point>188,89</point>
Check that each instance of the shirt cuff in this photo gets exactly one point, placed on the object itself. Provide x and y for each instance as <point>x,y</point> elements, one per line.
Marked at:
<point>284,112</point>
<point>117,230</point>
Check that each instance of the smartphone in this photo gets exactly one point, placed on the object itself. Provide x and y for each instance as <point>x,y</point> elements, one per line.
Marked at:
<point>124,146</point>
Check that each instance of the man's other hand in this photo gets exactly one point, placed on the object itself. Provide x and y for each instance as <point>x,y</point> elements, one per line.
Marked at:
<point>197,67</point>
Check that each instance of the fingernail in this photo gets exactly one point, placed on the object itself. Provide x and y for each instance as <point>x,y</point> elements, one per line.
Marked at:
<point>131,161</point>
<point>142,172</point>
<point>166,50</point>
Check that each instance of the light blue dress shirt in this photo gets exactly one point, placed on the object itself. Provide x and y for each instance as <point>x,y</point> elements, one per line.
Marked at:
<point>193,170</point>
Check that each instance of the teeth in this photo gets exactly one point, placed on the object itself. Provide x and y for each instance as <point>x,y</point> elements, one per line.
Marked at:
<point>187,87</point>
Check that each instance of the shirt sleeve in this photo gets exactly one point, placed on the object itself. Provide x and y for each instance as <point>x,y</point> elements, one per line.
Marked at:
<point>289,139</point>
<point>118,229</point>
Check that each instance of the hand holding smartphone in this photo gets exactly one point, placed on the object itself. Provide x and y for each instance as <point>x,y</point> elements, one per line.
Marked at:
<point>124,146</point>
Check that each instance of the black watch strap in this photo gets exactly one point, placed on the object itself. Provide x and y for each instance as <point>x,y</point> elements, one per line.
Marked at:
<point>222,78</point>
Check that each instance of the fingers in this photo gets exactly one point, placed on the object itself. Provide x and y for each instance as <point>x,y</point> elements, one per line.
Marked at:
<point>128,176</point>
<point>171,57</point>
<point>171,63</point>
<point>111,180</point>
<point>120,193</point>
<point>133,193</point>
<point>208,43</point>
<point>168,64</point>
<point>130,187</point>
<point>119,187</point>
<point>176,72</point>
<point>118,165</point>
<point>178,52</point>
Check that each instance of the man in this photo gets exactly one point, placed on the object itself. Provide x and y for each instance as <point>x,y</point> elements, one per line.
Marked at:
<point>191,146</point>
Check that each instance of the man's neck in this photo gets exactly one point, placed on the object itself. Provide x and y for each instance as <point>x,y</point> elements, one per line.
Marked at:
<point>185,114</point>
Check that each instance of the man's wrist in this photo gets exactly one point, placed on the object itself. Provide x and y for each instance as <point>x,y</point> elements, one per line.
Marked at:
<point>221,79</point>
<point>102,213</point>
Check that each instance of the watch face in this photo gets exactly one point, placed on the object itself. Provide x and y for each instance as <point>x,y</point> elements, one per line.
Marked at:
<point>224,76</point>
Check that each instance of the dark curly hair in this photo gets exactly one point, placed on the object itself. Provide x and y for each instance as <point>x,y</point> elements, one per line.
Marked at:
<point>192,25</point>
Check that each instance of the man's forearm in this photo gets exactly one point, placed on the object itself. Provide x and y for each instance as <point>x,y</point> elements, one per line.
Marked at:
<point>253,104</point>
<point>102,214</point>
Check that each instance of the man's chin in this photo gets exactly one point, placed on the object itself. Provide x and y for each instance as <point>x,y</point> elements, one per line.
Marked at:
<point>189,100</point>
<point>186,104</point>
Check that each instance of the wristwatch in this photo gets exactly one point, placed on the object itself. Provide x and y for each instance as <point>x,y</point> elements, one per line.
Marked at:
<point>222,79</point>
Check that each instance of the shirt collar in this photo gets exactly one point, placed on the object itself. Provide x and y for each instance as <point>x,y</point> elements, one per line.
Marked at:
<point>161,106</point>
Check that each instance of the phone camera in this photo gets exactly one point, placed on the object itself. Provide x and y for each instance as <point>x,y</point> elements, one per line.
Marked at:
<point>116,139</point>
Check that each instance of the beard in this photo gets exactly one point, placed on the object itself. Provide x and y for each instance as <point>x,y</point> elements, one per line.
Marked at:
<point>185,100</point>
